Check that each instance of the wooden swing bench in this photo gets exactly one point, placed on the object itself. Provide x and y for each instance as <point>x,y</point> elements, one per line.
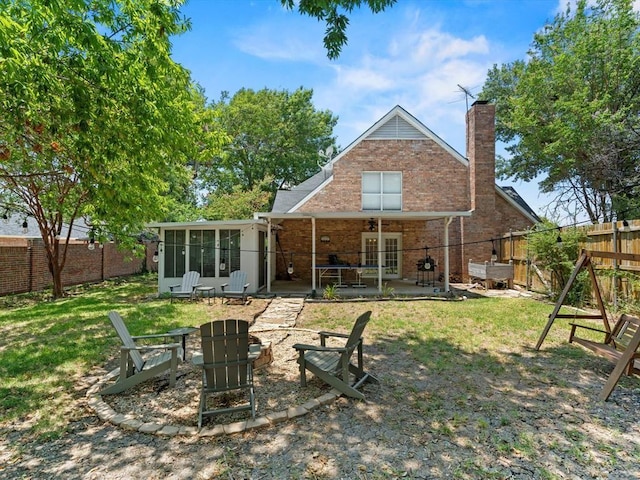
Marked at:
<point>620,346</point>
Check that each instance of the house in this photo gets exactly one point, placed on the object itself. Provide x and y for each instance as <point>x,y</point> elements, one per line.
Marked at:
<point>396,201</point>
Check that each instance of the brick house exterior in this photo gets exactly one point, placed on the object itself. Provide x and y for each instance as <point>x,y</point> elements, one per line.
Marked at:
<point>441,204</point>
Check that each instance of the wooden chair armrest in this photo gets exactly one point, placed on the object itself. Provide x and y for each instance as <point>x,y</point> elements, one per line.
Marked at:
<point>171,287</point>
<point>224,285</point>
<point>153,335</point>
<point>196,286</point>
<point>319,348</point>
<point>246,286</point>
<point>163,346</point>
<point>333,334</point>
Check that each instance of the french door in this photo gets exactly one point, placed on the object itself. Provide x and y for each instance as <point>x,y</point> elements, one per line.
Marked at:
<point>391,254</point>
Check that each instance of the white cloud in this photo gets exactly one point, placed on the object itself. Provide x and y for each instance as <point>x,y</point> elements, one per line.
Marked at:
<point>281,40</point>
<point>418,68</point>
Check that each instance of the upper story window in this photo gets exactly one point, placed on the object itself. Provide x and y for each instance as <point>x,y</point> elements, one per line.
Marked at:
<point>382,191</point>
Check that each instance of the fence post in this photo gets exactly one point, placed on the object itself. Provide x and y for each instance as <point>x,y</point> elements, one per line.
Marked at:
<point>614,288</point>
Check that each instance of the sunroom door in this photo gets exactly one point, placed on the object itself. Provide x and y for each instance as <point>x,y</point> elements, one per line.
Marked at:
<point>391,254</point>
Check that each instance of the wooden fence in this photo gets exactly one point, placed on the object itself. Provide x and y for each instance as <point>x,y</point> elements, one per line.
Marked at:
<point>616,279</point>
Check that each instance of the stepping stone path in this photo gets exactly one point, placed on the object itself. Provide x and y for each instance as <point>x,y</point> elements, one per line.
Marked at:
<point>281,313</point>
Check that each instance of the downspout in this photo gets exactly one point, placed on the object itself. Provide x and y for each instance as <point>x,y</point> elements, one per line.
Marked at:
<point>313,256</point>
<point>269,240</point>
<point>446,253</point>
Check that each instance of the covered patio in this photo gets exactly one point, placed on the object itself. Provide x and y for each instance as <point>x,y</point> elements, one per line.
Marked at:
<point>360,253</point>
<point>395,287</point>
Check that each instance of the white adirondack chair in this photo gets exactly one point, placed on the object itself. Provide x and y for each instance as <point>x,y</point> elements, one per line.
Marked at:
<point>237,286</point>
<point>187,289</point>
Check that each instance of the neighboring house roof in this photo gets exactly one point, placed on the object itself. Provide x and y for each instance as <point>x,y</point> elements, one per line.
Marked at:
<point>512,195</point>
<point>13,227</point>
<point>397,124</point>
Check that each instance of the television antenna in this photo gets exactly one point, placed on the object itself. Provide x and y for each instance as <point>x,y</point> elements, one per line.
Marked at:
<point>467,94</point>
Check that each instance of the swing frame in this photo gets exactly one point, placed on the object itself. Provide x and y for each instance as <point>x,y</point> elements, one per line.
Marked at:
<point>584,261</point>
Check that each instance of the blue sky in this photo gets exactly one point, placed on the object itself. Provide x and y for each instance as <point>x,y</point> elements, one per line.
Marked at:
<point>415,55</point>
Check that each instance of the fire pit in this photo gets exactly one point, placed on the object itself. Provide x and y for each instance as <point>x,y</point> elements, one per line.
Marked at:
<point>263,350</point>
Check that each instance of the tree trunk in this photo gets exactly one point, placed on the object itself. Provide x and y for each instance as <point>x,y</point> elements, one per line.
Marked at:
<point>56,275</point>
<point>56,261</point>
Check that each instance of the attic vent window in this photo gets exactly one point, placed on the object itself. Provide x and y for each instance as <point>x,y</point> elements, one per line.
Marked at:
<point>382,191</point>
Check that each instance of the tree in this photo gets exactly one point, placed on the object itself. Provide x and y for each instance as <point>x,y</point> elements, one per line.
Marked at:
<point>238,203</point>
<point>333,13</point>
<point>96,116</point>
<point>571,111</point>
<point>275,135</point>
<point>556,251</point>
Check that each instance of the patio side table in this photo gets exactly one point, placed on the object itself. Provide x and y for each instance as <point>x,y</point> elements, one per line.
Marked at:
<point>208,290</point>
<point>182,332</point>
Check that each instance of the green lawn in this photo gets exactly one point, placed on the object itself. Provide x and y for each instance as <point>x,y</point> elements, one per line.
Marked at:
<point>48,347</point>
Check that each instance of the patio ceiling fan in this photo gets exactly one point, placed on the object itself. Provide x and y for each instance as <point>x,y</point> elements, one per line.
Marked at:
<point>373,223</point>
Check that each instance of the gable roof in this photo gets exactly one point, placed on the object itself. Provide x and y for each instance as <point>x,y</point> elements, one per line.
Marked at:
<point>397,124</point>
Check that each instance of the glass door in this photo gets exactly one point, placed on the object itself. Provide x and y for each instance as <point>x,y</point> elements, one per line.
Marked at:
<point>391,254</point>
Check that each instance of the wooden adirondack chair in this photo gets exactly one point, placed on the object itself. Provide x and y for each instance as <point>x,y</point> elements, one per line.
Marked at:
<point>237,286</point>
<point>333,364</point>
<point>226,365</point>
<point>187,289</point>
<point>134,369</point>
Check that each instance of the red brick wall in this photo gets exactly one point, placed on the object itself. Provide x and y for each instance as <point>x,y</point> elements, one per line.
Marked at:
<point>25,267</point>
<point>15,269</point>
<point>432,180</point>
<point>346,242</point>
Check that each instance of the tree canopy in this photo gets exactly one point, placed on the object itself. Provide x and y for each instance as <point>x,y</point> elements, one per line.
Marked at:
<point>570,111</point>
<point>96,115</point>
<point>274,136</point>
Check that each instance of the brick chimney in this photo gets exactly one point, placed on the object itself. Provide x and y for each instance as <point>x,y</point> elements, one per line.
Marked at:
<point>484,222</point>
<point>481,152</point>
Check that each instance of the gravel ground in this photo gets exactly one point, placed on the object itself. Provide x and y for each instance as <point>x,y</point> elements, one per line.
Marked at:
<point>511,414</point>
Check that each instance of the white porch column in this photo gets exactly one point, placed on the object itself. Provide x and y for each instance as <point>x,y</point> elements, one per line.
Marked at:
<point>313,254</point>
<point>380,254</point>
<point>269,234</point>
<point>447,222</point>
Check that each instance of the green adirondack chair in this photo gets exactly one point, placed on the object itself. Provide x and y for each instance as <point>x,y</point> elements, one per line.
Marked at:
<point>226,365</point>
<point>135,369</point>
<point>333,364</point>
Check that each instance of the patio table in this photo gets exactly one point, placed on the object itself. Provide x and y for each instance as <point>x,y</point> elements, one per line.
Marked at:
<point>182,332</point>
<point>203,289</point>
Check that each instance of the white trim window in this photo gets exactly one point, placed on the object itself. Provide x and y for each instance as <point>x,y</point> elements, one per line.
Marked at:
<point>382,191</point>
